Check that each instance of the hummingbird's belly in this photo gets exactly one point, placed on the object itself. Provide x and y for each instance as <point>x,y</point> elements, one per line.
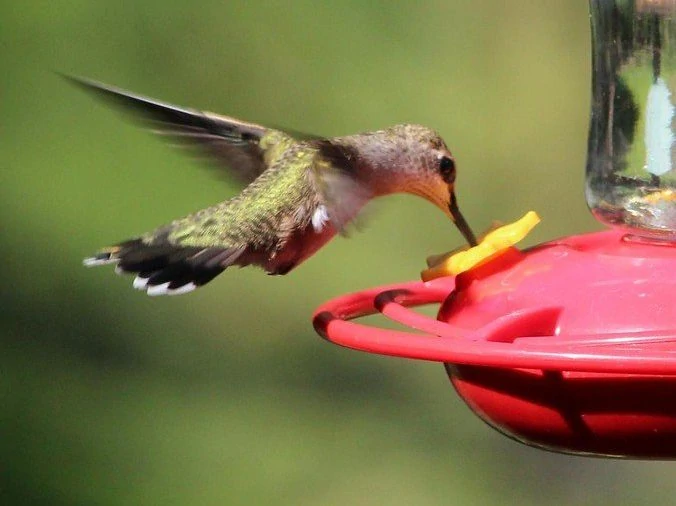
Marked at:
<point>299,247</point>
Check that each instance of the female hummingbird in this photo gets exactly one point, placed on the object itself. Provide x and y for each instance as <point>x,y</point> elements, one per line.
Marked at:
<point>302,191</point>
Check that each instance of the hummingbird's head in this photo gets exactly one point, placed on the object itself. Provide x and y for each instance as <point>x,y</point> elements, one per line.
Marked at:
<point>416,160</point>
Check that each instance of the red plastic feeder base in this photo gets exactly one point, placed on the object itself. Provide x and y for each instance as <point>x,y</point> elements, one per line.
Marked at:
<point>569,346</point>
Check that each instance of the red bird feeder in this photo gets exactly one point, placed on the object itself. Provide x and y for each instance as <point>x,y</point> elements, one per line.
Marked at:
<point>570,345</point>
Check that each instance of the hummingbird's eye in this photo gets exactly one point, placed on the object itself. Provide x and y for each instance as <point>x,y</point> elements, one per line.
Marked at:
<point>447,169</point>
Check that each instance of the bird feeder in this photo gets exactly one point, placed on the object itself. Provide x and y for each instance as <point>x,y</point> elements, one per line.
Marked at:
<point>570,345</point>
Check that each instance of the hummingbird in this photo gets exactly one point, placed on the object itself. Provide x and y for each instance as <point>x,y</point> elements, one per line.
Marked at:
<point>300,192</point>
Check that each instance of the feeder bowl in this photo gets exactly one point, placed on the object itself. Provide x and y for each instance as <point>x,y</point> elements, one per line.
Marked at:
<point>569,346</point>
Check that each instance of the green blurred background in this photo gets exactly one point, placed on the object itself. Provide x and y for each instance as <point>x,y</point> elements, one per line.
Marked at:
<point>227,396</point>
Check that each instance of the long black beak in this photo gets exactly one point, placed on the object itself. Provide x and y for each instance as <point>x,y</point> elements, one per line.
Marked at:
<point>460,222</point>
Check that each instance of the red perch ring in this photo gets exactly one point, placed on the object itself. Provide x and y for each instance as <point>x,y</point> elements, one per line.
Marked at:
<point>569,346</point>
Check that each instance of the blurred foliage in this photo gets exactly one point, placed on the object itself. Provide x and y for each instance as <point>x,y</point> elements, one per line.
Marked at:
<point>227,396</point>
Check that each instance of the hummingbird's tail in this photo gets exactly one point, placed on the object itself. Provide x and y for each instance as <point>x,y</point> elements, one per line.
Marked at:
<point>166,269</point>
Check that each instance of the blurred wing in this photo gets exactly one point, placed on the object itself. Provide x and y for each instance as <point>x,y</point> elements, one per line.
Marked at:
<point>336,178</point>
<point>229,142</point>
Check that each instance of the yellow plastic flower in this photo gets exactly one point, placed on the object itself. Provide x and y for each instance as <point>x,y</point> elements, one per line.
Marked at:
<point>491,246</point>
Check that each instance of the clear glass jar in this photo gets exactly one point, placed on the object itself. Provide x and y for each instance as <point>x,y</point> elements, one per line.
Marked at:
<point>631,164</point>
